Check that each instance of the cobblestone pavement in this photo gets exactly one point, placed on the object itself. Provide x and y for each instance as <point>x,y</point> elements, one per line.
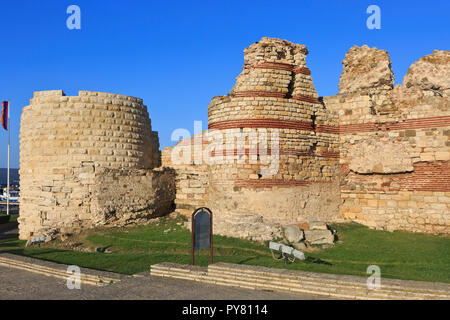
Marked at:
<point>19,284</point>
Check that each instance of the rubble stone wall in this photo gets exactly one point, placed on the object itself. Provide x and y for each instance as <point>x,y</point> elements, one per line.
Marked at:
<point>275,94</point>
<point>374,153</point>
<point>65,141</point>
<point>122,196</point>
<point>273,99</point>
<point>274,152</point>
<point>191,180</point>
<point>395,145</point>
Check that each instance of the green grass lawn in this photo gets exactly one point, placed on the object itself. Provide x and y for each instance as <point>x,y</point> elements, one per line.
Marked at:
<point>400,255</point>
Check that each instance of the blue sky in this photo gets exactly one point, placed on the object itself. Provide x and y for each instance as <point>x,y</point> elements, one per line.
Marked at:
<point>177,55</point>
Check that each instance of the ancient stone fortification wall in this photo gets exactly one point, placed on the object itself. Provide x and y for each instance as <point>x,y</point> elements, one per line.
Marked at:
<point>275,93</point>
<point>274,97</point>
<point>122,196</point>
<point>395,142</point>
<point>191,179</point>
<point>379,155</point>
<point>274,152</point>
<point>67,142</point>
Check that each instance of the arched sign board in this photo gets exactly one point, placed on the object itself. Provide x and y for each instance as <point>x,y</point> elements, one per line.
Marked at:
<point>202,231</point>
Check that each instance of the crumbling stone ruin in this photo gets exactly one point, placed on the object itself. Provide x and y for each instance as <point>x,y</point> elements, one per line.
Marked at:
<point>274,95</point>
<point>312,233</point>
<point>366,69</point>
<point>395,143</point>
<point>374,153</point>
<point>89,160</point>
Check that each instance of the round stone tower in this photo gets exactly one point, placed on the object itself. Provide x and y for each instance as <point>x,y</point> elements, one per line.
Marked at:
<point>285,166</point>
<point>64,141</point>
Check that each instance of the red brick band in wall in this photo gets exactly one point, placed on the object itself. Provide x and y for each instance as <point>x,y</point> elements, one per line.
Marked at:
<point>302,97</point>
<point>427,176</point>
<point>334,155</point>
<point>273,94</point>
<point>421,123</point>
<point>272,123</point>
<point>325,128</point>
<point>281,66</point>
<point>261,123</point>
<point>273,65</point>
<point>248,151</point>
<point>256,93</point>
<point>302,70</point>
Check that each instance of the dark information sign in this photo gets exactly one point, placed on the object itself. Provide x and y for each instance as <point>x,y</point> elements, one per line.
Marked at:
<point>202,231</point>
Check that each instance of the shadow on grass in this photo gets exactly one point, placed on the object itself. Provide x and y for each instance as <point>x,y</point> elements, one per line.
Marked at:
<point>317,260</point>
<point>103,249</point>
<point>27,253</point>
<point>5,245</point>
<point>246,260</point>
<point>4,227</point>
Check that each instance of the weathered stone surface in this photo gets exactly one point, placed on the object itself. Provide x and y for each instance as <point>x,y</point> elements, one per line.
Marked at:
<point>135,197</point>
<point>366,68</point>
<point>87,160</point>
<point>293,234</point>
<point>274,85</point>
<point>372,154</point>
<point>392,150</point>
<point>317,225</point>
<point>430,72</point>
<point>394,153</point>
<point>316,237</point>
<point>380,156</point>
<point>244,226</point>
<point>273,49</point>
<point>299,245</point>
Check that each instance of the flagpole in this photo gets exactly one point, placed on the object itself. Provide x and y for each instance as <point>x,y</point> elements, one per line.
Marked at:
<point>7,187</point>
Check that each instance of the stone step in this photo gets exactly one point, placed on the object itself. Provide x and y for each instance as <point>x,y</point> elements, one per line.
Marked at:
<point>180,275</point>
<point>342,289</point>
<point>310,286</point>
<point>261,286</point>
<point>62,274</point>
<point>262,278</point>
<point>215,269</point>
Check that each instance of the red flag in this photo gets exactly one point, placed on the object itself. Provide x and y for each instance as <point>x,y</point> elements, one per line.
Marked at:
<point>4,117</point>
